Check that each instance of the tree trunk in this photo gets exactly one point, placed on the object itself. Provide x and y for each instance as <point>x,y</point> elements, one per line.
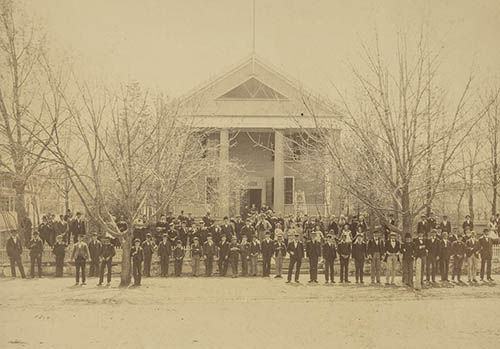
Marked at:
<point>495,186</point>
<point>126,242</point>
<point>405,210</point>
<point>23,227</point>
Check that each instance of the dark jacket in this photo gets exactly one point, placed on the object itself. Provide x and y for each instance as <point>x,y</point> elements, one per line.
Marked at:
<point>473,247</point>
<point>234,249</point>
<point>486,247</point>
<point>390,249</point>
<point>254,248</point>
<point>137,254</point>
<point>358,251</point>
<point>148,248</point>
<point>209,250</point>
<point>36,247</point>
<point>314,249</point>
<point>374,247</point>
<point>77,227</point>
<point>344,249</point>
<point>432,247</point>
<point>459,248</point>
<point>179,253</point>
<point>329,252</point>
<point>279,246</point>
<point>420,248</point>
<point>164,249</point>
<point>196,250</point>
<point>59,249</point>
<point>107,251</point>
<point>248,231</point>
<point>14,249</point>
<point>245,250</point>
<point>295,252</point>
<point>408,250</point>
<point>445,227</point>
<point>468,224</point>
<point>223,250</point>
<point>95,249</point>
<point>445,249</point>
<point>267,248</point>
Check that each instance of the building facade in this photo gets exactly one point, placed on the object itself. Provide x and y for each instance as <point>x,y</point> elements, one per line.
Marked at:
<point>257,113</point>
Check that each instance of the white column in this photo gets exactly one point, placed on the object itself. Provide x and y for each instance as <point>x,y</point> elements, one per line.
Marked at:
<point>279,172</point>
<point>223,172</point>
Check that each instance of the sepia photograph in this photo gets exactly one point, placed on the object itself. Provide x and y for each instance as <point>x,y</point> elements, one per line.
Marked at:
<point>250,174</point>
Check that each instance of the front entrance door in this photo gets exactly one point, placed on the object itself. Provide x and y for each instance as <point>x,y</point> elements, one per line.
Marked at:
<point>250,197</point>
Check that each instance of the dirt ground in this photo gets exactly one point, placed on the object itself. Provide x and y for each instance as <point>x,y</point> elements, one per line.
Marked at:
<point>244,313</point>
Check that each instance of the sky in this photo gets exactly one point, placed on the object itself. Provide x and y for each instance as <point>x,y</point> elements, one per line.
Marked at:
<point>175,45</point>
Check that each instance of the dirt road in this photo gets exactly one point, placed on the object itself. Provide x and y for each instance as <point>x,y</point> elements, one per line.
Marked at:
<point>244,313</point>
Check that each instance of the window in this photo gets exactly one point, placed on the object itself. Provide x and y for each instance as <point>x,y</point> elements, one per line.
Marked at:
<point>211,184</point>
<point>252,89</point>
<point>5,204</point>
<point>289,189</point>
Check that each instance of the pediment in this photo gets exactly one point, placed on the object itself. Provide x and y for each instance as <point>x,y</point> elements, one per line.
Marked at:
<point>252,89</point>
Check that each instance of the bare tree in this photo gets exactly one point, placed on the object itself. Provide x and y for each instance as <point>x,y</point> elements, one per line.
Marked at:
<point>22,44</point>
<point>386,135</point>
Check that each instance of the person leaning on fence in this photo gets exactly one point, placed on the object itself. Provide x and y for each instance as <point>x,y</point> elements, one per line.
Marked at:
<point>472,256</point>
<point>59,250</point>
<point>459,254</point>
<point>106,259</point>
<point>196,253</point>
<point>14,251</point>
<point>137,256</point>
<point>36,249</point>
<point>486,253</point>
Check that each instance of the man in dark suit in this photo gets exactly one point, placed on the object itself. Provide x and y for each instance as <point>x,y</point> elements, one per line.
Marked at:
<point>227,229</point>
<point>313,253</point>
<point>344,250</point>
<point>77,227</point>
<point>296,251</point>
<point>95,247</point>
<point>486,253</point>
<point>445,252</point>
<point>267,248</point>
<point>432,245</point>
<point>223,255</point>
<point>459,254</point>
<point>359,255</point>
<point>209,251</point>
<point>148,247</point>
<point>329,256</point>
<point>468,224</point>
<point>106,257</point>
<point>36,249</point>
<point>420,253</point>
<point>375,252</point>
<point>472,253</point>
<point>248,230</point>
<point>137,256</point>
<point>14,251</point>
<point>423,226</point>
<point>245,255</point>
<point>164,252</point>
<point>445,225</point>
<point>407,249</point>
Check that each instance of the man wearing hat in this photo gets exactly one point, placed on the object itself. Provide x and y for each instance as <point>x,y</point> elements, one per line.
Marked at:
<point>245,255</point>
<point>279,254</point>
<point>95,247</point>
<point>248,230</point>
<point>227,229</point>
<point>254,255</point>
<point>178,257</point>
<point>148,247</point>
<point>445,225</point>
<point>329,256</point>
<point>209,251</point>
<point>14,251</point>
<point>137,256</point>
<point>420,253</point>
<point>459,251</point>
<point>77,227</point>
<point>59,250</point>
<point>344,250</point>
<point>295,250</point>
<point>36,249</point>
<point>223,255</point>
<point>468,224</point>
<point>392,249</point>
<point>267,248</point>
<point>486,253</point>
<point>445,252</point>
<point>375,252</point>
<point>359,255</point>
<point>234,252</point>
<point>408,251</point>
<point>196,253</point>
<point>106,257</point>
<point>80,255</point>
<point>472,254</point>
<point>313,254</point>
<point>164,252</point>
<point>432,247</point>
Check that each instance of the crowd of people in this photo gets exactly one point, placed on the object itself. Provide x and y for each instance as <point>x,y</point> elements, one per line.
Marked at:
<point>267,236</point>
